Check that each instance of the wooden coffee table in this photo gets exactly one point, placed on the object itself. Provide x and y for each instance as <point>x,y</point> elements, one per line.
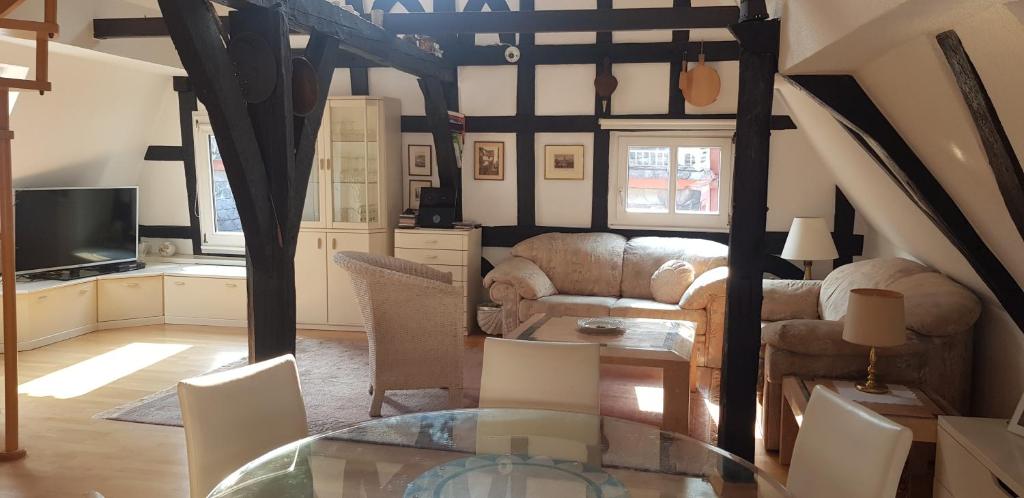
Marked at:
<point>920,417</point>
<point>664,344</point>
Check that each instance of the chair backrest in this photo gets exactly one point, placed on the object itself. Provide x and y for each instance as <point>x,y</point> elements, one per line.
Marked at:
<point>844,450</point>
<point>234,416</point>
<point>541,375</point>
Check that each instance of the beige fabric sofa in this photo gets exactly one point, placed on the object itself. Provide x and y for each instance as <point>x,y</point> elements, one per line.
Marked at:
<point>603,274</point>
<point>803,328</point>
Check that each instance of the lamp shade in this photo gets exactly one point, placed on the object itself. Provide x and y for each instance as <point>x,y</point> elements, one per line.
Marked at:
<point>875,317</point>
<point>809,240</point>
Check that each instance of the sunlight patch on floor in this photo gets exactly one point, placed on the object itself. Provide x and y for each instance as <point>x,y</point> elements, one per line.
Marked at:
<point>98,371</point>
<point>712,410</point>
<point>650,399</point>
<point>224,357</point>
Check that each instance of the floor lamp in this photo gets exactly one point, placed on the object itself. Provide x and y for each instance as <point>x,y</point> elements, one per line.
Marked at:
<point>809,240</point>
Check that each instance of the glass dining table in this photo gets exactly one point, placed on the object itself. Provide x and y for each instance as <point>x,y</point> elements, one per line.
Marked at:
<point>497,453</point>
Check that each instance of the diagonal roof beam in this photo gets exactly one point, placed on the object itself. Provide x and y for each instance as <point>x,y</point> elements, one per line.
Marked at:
<point>8,6</point>
<point>358,36</point>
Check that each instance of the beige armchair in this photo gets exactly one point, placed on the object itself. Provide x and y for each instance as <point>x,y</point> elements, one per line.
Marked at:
<point>411,314</point>
<point>803,332</point>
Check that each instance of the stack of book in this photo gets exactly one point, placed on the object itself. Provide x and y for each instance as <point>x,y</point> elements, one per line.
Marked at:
<point>407,220</point>
<point>465,225</point>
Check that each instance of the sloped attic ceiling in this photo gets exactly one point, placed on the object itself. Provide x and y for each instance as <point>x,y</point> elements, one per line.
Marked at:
<point>890,47</point>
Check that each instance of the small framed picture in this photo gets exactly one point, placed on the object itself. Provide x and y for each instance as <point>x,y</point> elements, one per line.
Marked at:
<point>563,162</point>
<point>488,160</point>
<point>1016,424</point>
<point>421,160</point>
<point>414,192</point>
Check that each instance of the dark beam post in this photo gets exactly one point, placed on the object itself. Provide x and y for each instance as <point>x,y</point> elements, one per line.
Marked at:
<point>842,230</point>
<point>448,172</point>
<point>759,46</point>
<point>1001,156</point>
<point>187,104</point>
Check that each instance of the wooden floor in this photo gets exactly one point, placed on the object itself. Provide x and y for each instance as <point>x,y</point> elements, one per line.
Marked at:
<point>64,385</point>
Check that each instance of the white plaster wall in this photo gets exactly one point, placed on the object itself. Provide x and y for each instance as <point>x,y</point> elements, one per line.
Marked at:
<point>385,81</point>
<point>487,90</point>
<point>565,89</point>
<point>565,38</point>
<point>643,88</point>
<point>564,202</point>
<point>490,202</point>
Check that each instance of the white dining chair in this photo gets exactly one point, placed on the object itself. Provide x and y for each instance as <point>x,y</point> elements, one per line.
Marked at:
<point>234,416</point>
<point>844,450</point>
<point>541,375</point>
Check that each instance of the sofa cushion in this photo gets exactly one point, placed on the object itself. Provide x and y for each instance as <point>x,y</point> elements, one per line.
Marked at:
<point>671,280</point>
<point>870,273</point>
<point>566,305</point>
<point>583,264</point>
<point>629,307</point>
<point>825,338</point>
<point>524,275</point>
<point>789,299</point>
<point>936,305</point>
<point>642,256</point>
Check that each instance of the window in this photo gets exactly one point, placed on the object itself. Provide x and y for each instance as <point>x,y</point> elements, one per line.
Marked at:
<point>218,216</point>
<point>670,181</point>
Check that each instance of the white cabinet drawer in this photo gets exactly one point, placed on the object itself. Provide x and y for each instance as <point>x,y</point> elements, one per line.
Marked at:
<point>58,310</point>
<point>128,298</point>
<point>205,298</point>
<point>962,474</point>
<point>432,256</point>
<point>412,239</point>
<point>458,272</point>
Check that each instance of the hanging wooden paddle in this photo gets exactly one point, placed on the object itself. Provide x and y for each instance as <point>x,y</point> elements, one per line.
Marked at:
<point>605,84</point>
<point>700,85</point>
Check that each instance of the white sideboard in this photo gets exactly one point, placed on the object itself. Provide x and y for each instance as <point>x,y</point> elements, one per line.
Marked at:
<point>978,458</point>
<point>449,250</point>
<point>50,311</point>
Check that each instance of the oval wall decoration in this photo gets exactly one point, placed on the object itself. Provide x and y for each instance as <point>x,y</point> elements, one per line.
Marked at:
<point>305,87</point>
<point>700,85</point>
<point>254,63</point>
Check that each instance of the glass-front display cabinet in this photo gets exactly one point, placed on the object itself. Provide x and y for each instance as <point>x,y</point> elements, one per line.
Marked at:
<point>358,169</point>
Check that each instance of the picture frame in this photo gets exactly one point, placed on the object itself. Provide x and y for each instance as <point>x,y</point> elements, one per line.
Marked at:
<point>1016,424</point>
<point>414,191</point>
<point>564,162</point>
<point>421,160</point>
<point>489,160</point>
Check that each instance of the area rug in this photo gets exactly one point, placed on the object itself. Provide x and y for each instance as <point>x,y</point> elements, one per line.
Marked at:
<point>335,376</point>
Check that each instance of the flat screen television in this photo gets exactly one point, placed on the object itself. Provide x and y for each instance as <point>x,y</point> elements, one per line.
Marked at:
<point>67,228</point>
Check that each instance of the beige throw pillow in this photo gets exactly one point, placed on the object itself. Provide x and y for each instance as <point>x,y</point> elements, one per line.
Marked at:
<point>671,280</point>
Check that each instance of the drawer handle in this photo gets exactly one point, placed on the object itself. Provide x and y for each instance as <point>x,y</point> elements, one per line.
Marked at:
<point>132,284</point>
<point>43,298</point>
<point>430,256</point>
<point>231,285</point>
<point>82,292</point>
<point>432,242</point>
<point>334,244</point>
<point>179,283</point>
<point>319,243</point>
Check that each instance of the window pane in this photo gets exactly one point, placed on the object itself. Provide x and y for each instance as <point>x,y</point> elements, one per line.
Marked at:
<point>649,170</point>
<point>225,212</point>
<point>697,179</point>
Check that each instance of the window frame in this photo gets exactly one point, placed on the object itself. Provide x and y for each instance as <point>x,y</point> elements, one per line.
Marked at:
<point>211,241</point>
<point>619,217</point>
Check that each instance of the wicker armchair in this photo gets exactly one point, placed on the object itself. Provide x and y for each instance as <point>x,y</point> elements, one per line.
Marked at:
<point>411,314</point>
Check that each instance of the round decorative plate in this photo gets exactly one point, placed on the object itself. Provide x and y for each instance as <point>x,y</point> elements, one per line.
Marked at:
<point>513,477</point>
<point>603,326</point>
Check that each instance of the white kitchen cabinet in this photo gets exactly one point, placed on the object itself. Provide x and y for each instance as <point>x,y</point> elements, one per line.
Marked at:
<point>130,298</point>
<point>205,301</point>
<point>311,278</point>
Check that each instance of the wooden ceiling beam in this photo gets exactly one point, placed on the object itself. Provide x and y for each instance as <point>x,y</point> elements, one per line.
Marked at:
<point>559,21</point>
<point>8,6</point>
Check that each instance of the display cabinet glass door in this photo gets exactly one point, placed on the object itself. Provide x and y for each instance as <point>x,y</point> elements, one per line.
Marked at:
<point>313,207</point>
<point>353,172</point>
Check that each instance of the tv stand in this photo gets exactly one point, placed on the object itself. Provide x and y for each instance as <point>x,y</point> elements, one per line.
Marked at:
<point>91,271</point>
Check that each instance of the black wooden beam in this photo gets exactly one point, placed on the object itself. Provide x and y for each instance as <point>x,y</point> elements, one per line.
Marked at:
<point>842,230</point>
<point>560,21</point>
<point>164,153</point>
<point>852,107</point>
<point>526,139</point>
<point>563,124</point>
<point>448,172</point>
<point>187,104</point>
<point>759,57</point>
<point>1001,156</point>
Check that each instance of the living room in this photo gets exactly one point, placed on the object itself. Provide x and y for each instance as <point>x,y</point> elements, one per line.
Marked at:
<point>583,214</point>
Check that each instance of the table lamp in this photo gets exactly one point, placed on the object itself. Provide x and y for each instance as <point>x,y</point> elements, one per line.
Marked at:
<point>874,318</point>
<point>809,240</point>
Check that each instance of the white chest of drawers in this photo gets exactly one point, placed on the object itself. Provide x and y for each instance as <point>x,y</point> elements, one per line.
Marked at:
<point>453,251</point>
<point>978,458</point>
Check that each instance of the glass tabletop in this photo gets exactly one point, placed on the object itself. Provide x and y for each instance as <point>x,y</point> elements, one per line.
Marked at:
<point>497,453</point>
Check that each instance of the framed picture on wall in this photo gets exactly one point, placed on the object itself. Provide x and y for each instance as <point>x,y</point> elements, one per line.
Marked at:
<point>563,162</point>
<point>414,192</point>
<point>421,160</point>
<point>488,160</point>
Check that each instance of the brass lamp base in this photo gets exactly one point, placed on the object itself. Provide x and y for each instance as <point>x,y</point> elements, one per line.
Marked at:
<point>871,385</point>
